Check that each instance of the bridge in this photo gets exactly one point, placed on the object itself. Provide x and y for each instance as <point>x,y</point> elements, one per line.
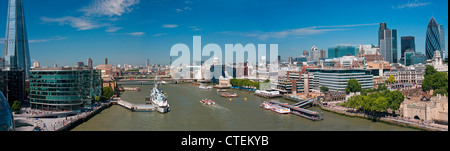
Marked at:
<point>297,110</point>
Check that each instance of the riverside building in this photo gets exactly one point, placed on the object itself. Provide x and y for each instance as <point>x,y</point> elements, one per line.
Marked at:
<point>64,88</point>
<point>337,79</point>
<point>6,118</point>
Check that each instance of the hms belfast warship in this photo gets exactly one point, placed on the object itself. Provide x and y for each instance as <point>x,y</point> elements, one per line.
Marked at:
<point>158,99</point>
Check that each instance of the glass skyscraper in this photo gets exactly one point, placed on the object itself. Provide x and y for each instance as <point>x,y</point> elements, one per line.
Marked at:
<point>340,51</point>
<point>387,40</point>
<point>435,39</point>
<point>16,53</point>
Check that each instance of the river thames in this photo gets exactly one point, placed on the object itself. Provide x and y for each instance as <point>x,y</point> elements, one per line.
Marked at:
<point>189,114</point>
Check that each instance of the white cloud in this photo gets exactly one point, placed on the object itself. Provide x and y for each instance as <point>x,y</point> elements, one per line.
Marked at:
<point>137,34</point>
<point>295,32</point>
<point>170,26</point>
<point>412,4</point>
<point>46,40</point>
<point>161,34</point>
<point>81,23</point>
<point>101,13</point>
<point>113,29</point>
<point>109,7</point>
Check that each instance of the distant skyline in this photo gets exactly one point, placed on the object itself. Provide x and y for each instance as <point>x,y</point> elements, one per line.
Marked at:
<point>132,31</point>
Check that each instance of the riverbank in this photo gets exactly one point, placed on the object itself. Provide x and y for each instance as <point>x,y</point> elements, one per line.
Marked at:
<point>388,120</point>
<point>67,123</point>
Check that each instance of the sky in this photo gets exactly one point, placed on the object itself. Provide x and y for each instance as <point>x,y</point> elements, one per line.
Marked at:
<point>131,31</point>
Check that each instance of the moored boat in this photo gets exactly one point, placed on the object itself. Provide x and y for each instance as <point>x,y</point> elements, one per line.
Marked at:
<point>229,95</point>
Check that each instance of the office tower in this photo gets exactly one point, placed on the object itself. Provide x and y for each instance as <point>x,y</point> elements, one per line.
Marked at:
<point>315,53</point>
<point>79,64</point>
<point>68,88</point>
<point>407,45</point>
<point>89,63</point>
<point>16,52</point>
<point>106,60</point>
<point>147,63</point>
<point>305,53</point>
<point>435,39</point>
<point>387,40</point>
<point>340,51</point>
<point>323,54</point>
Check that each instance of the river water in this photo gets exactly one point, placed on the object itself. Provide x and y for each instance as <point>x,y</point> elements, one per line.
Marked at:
<point>189,114</point>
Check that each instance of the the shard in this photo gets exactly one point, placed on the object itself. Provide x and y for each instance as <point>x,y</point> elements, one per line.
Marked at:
<point>16,53</point>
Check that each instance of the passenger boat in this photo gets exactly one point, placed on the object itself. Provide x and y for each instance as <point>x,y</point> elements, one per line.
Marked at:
<point>266,105</point>
<point>280,109</point>
<point>275,108</point>
<point>229,95</point>
<point>208,102</point>
<point>203,87</point>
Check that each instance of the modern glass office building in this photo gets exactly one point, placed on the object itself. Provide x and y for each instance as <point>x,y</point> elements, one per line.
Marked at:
<point>337,79</point>
<point>64,89</point>
<point>435,39</point>
<point>340,51</point>
<point>6,117</point>
<point>17,55</point>
<point>387,40</point>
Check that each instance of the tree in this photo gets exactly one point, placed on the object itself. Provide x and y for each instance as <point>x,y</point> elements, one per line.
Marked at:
<point>436,81</point>
<point>395,99</point>
<point>324,89</point>
<point>391,79</point>
<point>16,106</point>
<point>107,93</point>
<point>96,99</point>
<point>429,70</point>
<point>353,86</point>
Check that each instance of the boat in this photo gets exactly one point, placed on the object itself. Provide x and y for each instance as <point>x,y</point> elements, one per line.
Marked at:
<point>266,105</point>
<point>158,98</point>
<point>222,90</point>
<point>280,109</point>
<point>229,95</point>
<point>275,108</point>
<point>203,87</point>
<point>208,102</point>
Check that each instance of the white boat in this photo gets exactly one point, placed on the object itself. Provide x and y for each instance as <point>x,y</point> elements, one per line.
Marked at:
<point>203,87</point>
<point>280,109</point>
<point>158,98</point>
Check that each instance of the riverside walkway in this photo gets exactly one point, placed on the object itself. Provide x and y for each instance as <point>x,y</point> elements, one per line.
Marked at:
<point>333,107</point>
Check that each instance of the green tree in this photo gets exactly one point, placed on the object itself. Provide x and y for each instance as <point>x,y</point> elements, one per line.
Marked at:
<point>96,99</point>
<point>353,86</point>
<point>16,106</point>
<point>107,93</point>
<point>395,98</point>
<point>429,70</point>
<point>324,89</point>
<point>436,81</point>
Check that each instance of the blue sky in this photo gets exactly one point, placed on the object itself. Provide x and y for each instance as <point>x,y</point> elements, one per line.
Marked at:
<point>131,31</point>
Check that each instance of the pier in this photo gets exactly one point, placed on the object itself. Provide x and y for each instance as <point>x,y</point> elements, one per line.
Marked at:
<point>297,110</point>
<point>136,107</point>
